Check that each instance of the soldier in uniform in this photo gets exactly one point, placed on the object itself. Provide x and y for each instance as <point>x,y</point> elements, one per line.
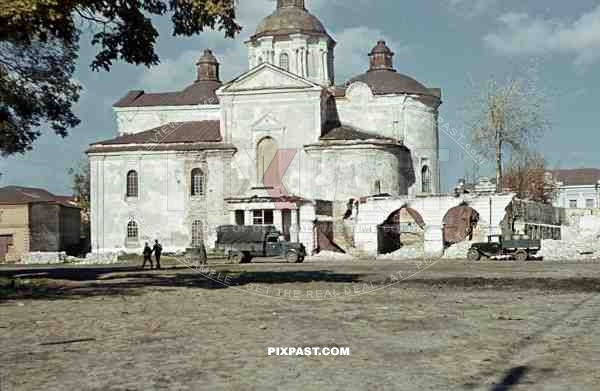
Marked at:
<point>157,249</point>
<point>147,256</point>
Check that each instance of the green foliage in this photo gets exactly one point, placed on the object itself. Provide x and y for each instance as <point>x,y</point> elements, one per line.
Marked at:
<point>39,46</point>
<point>81,185</point>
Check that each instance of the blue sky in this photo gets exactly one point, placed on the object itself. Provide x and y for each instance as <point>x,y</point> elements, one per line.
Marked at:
<point>442,43</point>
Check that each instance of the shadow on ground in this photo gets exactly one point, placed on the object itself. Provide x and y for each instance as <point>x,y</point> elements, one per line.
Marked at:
<point>62,283</point>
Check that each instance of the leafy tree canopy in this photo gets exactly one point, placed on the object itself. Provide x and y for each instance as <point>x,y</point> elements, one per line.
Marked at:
<point>39,46</point>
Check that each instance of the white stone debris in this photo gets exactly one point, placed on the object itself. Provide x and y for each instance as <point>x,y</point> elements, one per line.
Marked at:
<point>43,258</point>
<point>330,256</point>
<point>407,252</point>
<point>554,250</point>
<point>458,250</point>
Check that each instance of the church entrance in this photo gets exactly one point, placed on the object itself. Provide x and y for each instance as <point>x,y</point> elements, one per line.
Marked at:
<point>286,223</point>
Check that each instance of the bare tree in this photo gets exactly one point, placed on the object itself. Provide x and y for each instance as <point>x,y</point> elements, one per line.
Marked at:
<point>508,114</point>
<point>526,176</point>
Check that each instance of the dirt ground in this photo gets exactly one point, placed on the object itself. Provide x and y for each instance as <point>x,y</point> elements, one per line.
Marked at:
<point>452,326</point>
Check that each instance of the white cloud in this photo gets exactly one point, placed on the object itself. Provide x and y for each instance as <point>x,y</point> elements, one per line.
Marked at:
<point>522,33</point>
<point>354,44</point>
<point>470,8</point>
<point>172,74</point>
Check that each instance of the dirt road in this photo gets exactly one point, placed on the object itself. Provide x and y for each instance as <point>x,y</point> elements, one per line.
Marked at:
<point>454,325</point>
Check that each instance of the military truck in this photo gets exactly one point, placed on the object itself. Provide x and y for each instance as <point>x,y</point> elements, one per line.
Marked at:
<point>520,247</point>
<point>242,243</point>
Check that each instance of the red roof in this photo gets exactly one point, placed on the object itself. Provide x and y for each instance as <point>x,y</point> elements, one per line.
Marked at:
<point>173,132</point>
<point>28,195</point>
<point>577,176</point>
<point>201,92</point>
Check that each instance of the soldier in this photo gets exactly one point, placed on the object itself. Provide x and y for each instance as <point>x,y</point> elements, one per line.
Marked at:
<point>157,249</point>
<point>147,256</point>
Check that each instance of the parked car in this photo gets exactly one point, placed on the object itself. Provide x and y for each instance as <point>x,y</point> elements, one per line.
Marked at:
<point>520,248</point>
<point>241,243</point>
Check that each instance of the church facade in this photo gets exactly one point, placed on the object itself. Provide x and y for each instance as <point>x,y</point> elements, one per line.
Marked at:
<point>281,144</point>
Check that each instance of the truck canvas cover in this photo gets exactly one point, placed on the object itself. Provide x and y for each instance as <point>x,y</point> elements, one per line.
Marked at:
<point>229,234</point>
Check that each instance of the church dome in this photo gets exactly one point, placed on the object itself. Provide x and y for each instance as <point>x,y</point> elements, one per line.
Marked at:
<point>290,17</point>
<point>382,78</point>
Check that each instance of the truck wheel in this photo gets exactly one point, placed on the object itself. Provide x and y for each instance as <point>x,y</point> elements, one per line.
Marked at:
<point>521,255</point>
<point>473,255</point>
<point>236,257</point>
<point>292,257</point>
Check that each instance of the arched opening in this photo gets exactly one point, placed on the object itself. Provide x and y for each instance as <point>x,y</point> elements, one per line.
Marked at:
<point>460,224</point>
<point>284,61</point>
<point>425,179</point>
<point>197,182</point>
<point>403,227</point>
<point>132,184</point>
<point>132,231</point>
<point>197,236</point>
<point>267,163</point>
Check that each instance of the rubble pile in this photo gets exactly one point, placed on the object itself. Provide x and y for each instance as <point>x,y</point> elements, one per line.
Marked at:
<point>407,252</point>
<point>569,249</point>
<point>98,259</point>
<point>331,256</point>
<point>458,250</point>
<point>43,258</point>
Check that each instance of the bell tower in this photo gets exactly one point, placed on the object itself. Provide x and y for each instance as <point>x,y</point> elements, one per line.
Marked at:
<point>290,3</point>
<point>208,67</point>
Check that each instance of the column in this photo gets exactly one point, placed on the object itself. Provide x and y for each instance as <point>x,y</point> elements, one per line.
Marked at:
<point>248,217</point>
<point>294,229</point>
<point>434,241</point>
<point>277,220</point>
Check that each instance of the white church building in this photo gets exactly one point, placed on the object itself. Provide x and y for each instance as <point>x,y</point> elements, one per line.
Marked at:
<point>281,144</point>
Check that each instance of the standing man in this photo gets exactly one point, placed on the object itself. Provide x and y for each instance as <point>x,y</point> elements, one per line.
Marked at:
<point>157,251</point>
<point>147,256</point>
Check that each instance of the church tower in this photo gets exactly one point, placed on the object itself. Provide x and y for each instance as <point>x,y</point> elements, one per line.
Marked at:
<point>295,40</point>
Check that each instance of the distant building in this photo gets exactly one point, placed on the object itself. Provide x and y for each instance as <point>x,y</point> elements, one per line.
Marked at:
<point>36,220</point>
<point>483,186</point>
<point>576,188</point>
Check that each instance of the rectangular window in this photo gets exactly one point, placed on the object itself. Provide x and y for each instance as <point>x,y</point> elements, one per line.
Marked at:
<point>262,217</point>
<point>589,203</point>
<point>240,217</point>
<point>572,204</point>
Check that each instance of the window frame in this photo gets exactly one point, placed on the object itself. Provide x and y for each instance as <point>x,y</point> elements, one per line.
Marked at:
<point>197,190</point>
<point>131,226</point>
<point>285,56</point>
<point>589,203</point>
<point>132,184</point>
<point>262,216</point>
<point>571,204</point>
<point>426,187</point>
<point>196,234</point>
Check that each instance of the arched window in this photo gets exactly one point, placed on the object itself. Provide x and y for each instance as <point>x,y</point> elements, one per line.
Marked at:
<point>132,231</point>
<point>425,180</point>
<point>377,187</point>
<point>196,233</point>
<point>132,184</point>
<point>197,186</point>
<point>284,61</point>
<point>266,163</point>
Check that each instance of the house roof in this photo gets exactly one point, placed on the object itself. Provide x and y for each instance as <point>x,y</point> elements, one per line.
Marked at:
<point>201,92</point>
<point>577,176</point>
<point>175,136</point>
<point>172,132</point>
<point>28,195</point>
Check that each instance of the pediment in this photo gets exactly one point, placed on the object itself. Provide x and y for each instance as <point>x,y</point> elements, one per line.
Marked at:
<point>267,122</point>
<point>268,77</point>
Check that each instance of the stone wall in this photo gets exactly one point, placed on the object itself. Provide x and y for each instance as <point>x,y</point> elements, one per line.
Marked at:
<point>44,223</point>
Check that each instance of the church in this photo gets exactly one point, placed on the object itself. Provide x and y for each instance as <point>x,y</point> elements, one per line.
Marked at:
<point>282,144</point>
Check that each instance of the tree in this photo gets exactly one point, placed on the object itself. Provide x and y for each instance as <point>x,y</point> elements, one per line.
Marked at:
<point>39,43</point>
<point>81,186</point>
<point>507,115</point>
<point>526,176</point>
